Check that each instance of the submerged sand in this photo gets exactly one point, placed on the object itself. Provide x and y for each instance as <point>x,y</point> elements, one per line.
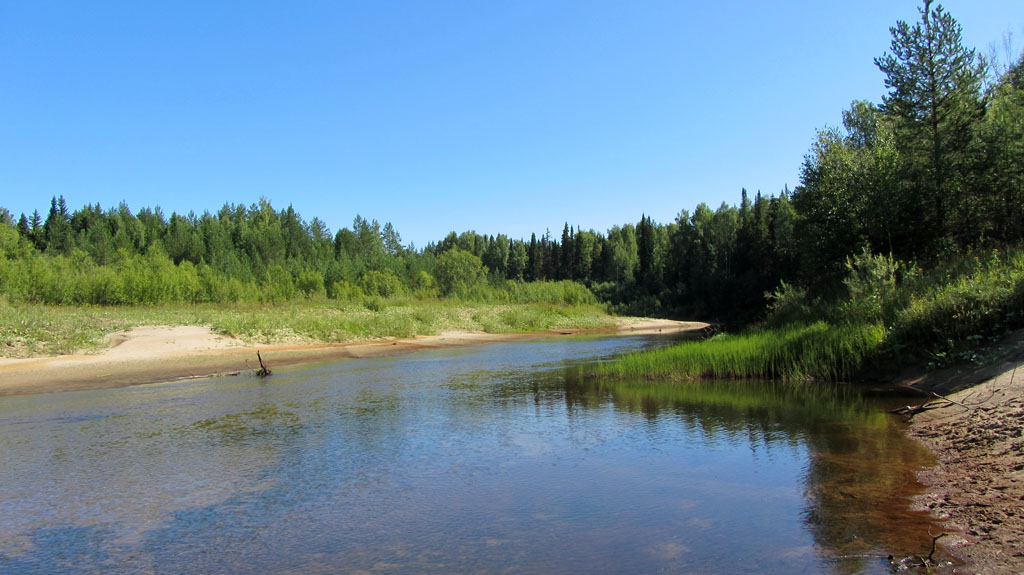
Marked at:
<point>153,354</point>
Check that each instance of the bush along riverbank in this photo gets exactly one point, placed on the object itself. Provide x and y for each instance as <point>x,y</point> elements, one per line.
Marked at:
<point>887,315</point>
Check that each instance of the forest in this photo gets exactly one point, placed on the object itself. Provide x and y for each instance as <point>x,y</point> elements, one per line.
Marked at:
<point>934,173</point>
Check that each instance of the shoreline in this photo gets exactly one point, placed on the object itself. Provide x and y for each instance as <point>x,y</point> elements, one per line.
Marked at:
<point>157,354</point>
<point>976,489</point>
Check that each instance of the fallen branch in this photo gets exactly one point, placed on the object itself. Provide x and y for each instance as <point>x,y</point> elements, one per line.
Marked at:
<point>951,401</point>
<point>934,539</point>
<point>262,371</point>
<point>911,411</point>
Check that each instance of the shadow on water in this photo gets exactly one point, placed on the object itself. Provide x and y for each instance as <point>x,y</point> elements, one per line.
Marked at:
<point>494,459</point>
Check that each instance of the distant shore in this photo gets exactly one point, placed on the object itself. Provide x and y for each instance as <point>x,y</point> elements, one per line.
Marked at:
<point>154,354</point>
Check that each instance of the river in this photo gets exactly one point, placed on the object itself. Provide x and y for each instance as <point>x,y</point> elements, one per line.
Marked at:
<point>501,458</point>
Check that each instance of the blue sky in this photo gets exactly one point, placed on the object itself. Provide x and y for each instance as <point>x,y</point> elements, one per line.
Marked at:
<point>503,117</point>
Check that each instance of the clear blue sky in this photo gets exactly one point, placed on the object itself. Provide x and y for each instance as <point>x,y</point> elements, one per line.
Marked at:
<point>436,116</point>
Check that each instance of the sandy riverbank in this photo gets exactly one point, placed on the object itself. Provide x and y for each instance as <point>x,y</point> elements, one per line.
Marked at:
<point>153,353</point>
<point>977,488</point>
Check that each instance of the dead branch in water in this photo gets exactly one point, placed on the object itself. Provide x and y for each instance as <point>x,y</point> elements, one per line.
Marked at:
<point>262,371</point>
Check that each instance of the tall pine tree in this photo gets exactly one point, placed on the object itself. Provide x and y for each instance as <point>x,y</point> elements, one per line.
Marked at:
<point>935,99</point>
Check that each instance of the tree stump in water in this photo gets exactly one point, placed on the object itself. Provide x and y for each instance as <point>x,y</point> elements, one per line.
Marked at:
<point>262,371</point>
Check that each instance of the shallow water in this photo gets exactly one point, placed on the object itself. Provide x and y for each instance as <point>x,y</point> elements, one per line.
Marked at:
<point>492,459</point>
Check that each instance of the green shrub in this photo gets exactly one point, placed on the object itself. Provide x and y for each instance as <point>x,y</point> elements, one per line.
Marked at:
<point>563,292</point>
<point>345,291</point>
<point>381,283</point>
<point>311,284</point>
<point>374,303</point>
<point>789,304</point>
<point>459,272</point>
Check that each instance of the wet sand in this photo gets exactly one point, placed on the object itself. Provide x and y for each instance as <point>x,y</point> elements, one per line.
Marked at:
<point>154,354</point>
<point>977,489</point>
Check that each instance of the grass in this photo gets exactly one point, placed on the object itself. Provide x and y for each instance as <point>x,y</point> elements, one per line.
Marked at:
<point>952,315</point>
<point>28,330</point>
<point>816,351</point>
<point>895,314</point>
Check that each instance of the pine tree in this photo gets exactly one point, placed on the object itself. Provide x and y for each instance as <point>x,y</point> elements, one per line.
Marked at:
<point>935,98</point>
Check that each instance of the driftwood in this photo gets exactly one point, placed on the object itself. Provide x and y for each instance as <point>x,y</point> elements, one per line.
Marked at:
<point>952,401</point>
<point>934,539</point>
<point>262,371</point>
<point>911,411</point>
<point>917,560</point>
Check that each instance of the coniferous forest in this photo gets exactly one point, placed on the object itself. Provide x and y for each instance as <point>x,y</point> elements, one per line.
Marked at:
<point>933,172</point>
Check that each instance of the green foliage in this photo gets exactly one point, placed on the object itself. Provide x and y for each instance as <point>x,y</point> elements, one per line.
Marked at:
<point>381,283</point>
<point>424,286</point>
<point>564,292</point>
<point>815,351</point>
<point>890,312</point>
<point>789,305</point>
<point>957,308</point>
<point>345,291</point>
<point>459,272</point>
<point>311,284</point>
<point>934,100</point>
<point>375,303</point>
<point>871,286</point>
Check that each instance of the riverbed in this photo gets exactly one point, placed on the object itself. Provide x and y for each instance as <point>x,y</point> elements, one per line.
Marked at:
<point>504,458</point>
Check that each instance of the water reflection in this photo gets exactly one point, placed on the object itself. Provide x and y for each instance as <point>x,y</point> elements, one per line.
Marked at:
<point>860,468</point>
<point>500,458</point>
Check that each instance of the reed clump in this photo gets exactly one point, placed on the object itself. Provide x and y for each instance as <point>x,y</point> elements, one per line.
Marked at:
<point>815,351</point>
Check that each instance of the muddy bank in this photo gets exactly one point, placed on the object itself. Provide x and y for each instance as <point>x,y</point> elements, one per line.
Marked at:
<point>977,488</point>
<point>158,353</point>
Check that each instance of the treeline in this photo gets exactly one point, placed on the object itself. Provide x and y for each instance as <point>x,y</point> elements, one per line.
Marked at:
<point>700,265</point>
<point>936,168</point>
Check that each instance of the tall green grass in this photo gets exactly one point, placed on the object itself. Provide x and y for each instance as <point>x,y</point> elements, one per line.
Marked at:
<point>948,316</point>
<point>893,314</point>
<point>816,351</point>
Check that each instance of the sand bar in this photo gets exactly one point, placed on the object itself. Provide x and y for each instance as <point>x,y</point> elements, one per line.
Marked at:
<point>153,354</point>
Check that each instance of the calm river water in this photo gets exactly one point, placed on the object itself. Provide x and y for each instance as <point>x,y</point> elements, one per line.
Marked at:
<point>492,459</point>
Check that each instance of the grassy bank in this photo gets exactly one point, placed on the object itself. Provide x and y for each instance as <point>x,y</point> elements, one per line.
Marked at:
<point>30,329</point>
<point>889,314</point>
<point>816,351</point>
